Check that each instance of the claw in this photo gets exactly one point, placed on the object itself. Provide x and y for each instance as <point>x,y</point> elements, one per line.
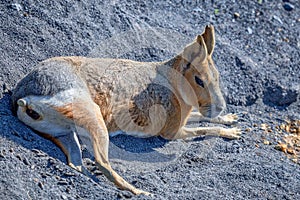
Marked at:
<point>230,119</point>
<point>138,192</point>
<point>232,133</point>
<point>78,168</point>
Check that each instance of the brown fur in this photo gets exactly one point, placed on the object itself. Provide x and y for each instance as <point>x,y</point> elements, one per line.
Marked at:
<point>143,99</point>
<point>66,110</point>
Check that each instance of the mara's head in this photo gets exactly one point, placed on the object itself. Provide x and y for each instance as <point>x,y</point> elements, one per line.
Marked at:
<point>200,81</point>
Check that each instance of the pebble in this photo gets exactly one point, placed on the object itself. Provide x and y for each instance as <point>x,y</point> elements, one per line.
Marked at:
<point>26,161</point>
<point>41,185</point>
<point>97,172</point>
<point>17,6</point>
<point>197,10</point>
<point>43,175</point>
<point>35,150</point>
<point>68,190</point>
<point>291,151</point>
<point>266,142</point>
<point>51,161</point>
<point>250,31</point>
<point>19,157</point>
<point>39,153</point>
<point>288,6</point>
<point>278,19</point>
<point>69,174</point>
<point>236,15</point>
<point>62,182</point>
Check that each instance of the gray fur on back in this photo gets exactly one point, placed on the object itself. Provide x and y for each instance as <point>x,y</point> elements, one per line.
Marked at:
<point>47,79</point>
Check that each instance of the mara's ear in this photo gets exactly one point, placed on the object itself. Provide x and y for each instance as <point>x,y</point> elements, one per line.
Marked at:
<point>195,52</point>
<point>209,38</point>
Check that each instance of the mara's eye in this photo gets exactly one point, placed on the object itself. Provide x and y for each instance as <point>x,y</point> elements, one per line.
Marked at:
<point>31,113</point>
<point>199,81</point>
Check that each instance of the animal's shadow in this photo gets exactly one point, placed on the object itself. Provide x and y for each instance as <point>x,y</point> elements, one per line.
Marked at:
<point>129,148</point>
<point>137,145</point>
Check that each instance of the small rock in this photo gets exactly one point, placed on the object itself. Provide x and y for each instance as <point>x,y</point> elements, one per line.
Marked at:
<point>288,6</point>
<point>250,31</point>
<point>36,180</point>
<point>2,154</point>
<point>295,160</point>
<point>291,151</point>
<point>266,142</point>
<point>277,19</point>
<point>97,172</point>
<point>125,194</point>
<point>281,147</point>
<point>41,185</point>
<point>286,39</point>
<point>19,157</point>
<point>17,6</point>
<point>236,15</point>
<point>35,150</point>
<point>197,10</point>
<point>64,196</point>
<point>62,182</point>
<point>51,161</point>
<point>68,190</point>
<point>43,175</point>
<point>264,127</point>
<point>69,174</point>
<point>25,161</point>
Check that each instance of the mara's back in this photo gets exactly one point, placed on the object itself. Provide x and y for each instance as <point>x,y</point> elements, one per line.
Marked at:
<point>132,96</point>
<point>47,79</point>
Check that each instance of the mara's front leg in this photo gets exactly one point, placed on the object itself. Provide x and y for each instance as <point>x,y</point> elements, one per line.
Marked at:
<point>230,133</point>
<point>228,119</point>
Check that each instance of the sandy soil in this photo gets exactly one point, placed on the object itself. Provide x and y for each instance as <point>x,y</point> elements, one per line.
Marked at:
<point>258,57</point>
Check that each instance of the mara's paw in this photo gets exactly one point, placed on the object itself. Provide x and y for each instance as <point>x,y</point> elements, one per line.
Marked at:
<point>229,119</point>
<point>78,168</point>
<point>231,133</point>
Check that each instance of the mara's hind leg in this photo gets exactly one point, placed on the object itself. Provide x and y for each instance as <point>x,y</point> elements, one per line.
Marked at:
<point>228,119</point>
<point>230,133</point>
<point>94,134</point>
<point>69,144</point>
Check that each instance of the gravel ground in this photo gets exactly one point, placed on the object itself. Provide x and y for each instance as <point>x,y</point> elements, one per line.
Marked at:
<point>257,54</point>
